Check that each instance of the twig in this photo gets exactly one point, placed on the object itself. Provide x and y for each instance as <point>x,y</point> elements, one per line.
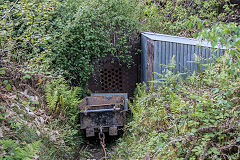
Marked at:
<point>205,151</point>
<point>32,90</point>
<point>227,148</point>
<point>2,50</point>
<point>189,151</point>
<point>225,156</point>
<point>1,29</point>
<point>207,129</point>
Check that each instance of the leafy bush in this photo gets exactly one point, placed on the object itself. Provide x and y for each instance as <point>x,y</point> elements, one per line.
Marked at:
<point>181,17</point>
<point>194,119</point>
<point>24,30</point>
<point>71,36</point>
<point>13,150</point>
<point>96,29</point>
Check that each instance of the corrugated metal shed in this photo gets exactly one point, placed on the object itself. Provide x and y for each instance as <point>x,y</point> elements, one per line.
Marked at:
<point>158,50</point>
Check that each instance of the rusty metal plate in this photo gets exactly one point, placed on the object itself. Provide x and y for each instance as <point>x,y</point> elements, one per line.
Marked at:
<point>113,131</point>
<point>110,94</point>
<point>98,101</point>
<point>108,100</point>
<point>150,59</point>
<point>104,119</point>
<point>90,132</point>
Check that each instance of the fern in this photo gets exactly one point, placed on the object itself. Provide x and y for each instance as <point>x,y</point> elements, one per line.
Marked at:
<point>13,150</point>
<point>51,96</point>
<point>62,98</point>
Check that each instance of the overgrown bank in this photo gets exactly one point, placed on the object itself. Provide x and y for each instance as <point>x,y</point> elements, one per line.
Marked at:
<point>37,120</point>
<point>195,118</point>
<point>48,46</point>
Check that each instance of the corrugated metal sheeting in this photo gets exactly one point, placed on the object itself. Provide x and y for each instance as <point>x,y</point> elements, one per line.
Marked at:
<point>158,50</point>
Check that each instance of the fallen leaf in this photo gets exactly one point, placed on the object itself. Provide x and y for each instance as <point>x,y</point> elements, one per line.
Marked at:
<point>40,80</point>
<point>1,133</point>
<point>35,157</point>
<point>38,133</point>
<point>41,120</point>
<point>53,138</point>
<point>8,87</point>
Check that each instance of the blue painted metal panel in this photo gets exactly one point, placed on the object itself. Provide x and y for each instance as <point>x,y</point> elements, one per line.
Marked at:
<point>170,54</point>
<point>184,49</point>
<point>174,53</point>
<point>100,110</point>
<point>158,57</point>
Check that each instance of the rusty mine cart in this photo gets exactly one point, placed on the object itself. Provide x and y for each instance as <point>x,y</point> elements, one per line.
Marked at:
<point>103,112</point>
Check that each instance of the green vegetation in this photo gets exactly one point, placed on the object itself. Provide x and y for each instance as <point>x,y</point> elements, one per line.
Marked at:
<point>50,48</point>
<point>185,18</point>
<point>29,127</point>
<point>94,30</point>
<point>196,118</point>
<point>61,98</point>
<point>13,150</point>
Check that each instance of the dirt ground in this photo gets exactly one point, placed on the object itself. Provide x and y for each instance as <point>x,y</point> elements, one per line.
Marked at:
<point>93,148</point>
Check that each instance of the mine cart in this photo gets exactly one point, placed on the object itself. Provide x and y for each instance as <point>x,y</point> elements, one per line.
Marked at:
<point>103,112</point>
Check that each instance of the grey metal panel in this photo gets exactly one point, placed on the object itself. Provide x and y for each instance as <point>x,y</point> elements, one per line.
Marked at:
<point>157,66</point>
<point>162,46</point>
<point>177,39</point>
<point>175,54</point>
<point>197,51</point>
<point>208,55</point>
<point>203,55</point>
<point>170,53</point>
<point>159,52</point>
<point>185,57</point>
<point>163,55</point>
<point>159,49</point>
<point>106,94</point>
<point>178,57</point>
<point>166,46</point>
<point>181,60</point>
<point>192,59</point>
<point>166,53</point>
<point>157,57</point>
<point>189,64</point>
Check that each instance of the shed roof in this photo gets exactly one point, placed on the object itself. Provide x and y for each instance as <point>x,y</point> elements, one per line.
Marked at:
<point>177,39</point>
